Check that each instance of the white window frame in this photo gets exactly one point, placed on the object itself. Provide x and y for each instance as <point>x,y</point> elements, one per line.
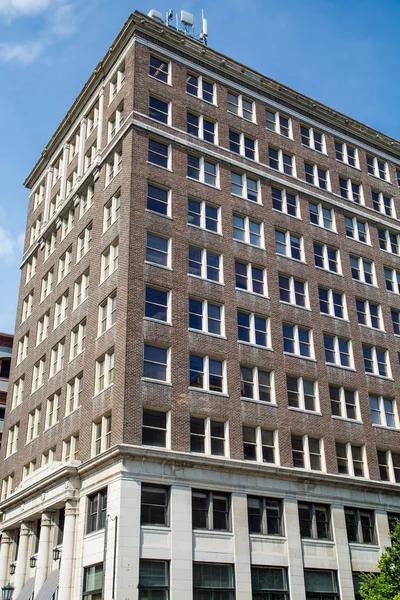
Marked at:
<point>32,431</point>
<point>356,231</point>
<point>23,346</point>
<point>71,181</point>
<point>73,146</point>
<point>388,243</point>
<point>42,330</point>
<point>112,210</point>
<point>204,315</point>
<point>350,192</point>
<point>7,487</point>
<point>343,406</point>
<point>292,292</point>
<point>382,209</point>
<point>350,464</point>
<point>301,395</point>
<point>109,260</point>
<point>105,367</point>
<point>336,351</point>
<point>12,439</point>
<point>18,392</point>
<point>203,206</point>
<point>57,358</point>
<point>246,230</point>
<point>367,312</point>
<point>116,121</point>
<point>256,385</point>
<point>81,289</point>
<point>101,433</point>
<point>240,111</point>
<point>92,119</point>
<point>90,157</point>
<point>206,376</point>
<point>52,410</point>
<point>107,313</point>
<point>70,448</point>
<point>375,168</point>
<point>113,166</point>
<point>38,195</point>
<point>389,465</point>
<point>280,162</point>
<point>249,279</point>
<point>382,412</point>
<point>84,242</point>
<point>245,188</point>
<point>50,245</point>
<point>315,182</point>
<point>395,280</point>
<point>86,201</point>
<point>199,95</point>
<point>73,396</point>
<point>325,259</point>
<point>306,453</point>
<point>38,374</point>
<point>288,246</point>
<point>331,305</point>
<point>60,310</point>
<point>54,205</point>
<point>361,270</point>
<point>311,139</point>
<point>78,337</point>
<point>252,330</point>
<point>259,445</point>
<point>284,210</point>
<point>345,154</point>
<point>207,435</point>
<point>57,168</point>
<point>48,457</point>
<point>67,223</point>
<point>297,341</point>
<point>242,148</point>
<point>201,178</point>
<point>35,230</point>
<point>203,275</point>
<point>64,264</point>
<point>27,307</point>
<point>164,61</point>
<point>276,127</point>
<point>31,268</point>
<point>47,284</point>
<point>117,81</point>
<point>201,127</point>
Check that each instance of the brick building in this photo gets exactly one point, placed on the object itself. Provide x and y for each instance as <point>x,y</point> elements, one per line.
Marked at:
<point>6,342</point>
<point>206,362</point>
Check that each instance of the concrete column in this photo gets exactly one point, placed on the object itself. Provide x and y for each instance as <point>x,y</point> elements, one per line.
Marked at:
<point>181,542</point>
<point>81,158</point>
<point>382,528</point>
<point>63,184</point>
<point>42,565</point>
<point>100,123</point>
<point>345,574</point>
<point>20,571</point>
<point>47,194</point>
<point>295,553</point>
<point>6,541</point>
<point>67,552</point>
<point>242,546</point>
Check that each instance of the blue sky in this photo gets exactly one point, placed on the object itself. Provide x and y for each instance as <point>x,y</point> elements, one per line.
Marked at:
<point>340,52</point>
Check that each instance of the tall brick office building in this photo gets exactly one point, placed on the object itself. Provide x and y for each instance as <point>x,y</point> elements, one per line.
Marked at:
<point>206,362</point>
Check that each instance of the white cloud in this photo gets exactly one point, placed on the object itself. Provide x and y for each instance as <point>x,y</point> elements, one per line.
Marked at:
<point>14,8</point>
<point>10,246</point>
<point>24,53</point>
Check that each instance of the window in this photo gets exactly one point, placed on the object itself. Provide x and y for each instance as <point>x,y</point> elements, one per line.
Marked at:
<point>307,452</point>
<point>38,374</point>
<point>12,440</point>
<point>383,411</point>
<point>52,410</point>
<point>93,582</point>
<point>154,505</point>
<point>18,392</point>
<point>246,187</point>
<point>211,510</point>
<point>109,260</point>
<point>378,167</point>
<point>302,393</point>
<point>38,195</point>
<point>107,313</point>
<point>206,316</point>
<point>153,579</point>
<point>242,144</point>
<point>57,358</point>
<point>344,403</point>
<point>23,345</point>
<point>383,204</point>
<point>35,230</point>
<point>250,278</point>
<point>155,428</point>
<point>388,241</point>
<point>159,110</point>
<point>212,581</point>
<point>389,465</point>
<point>205,264</point>
<point>360,525</point>
<point>395,314</point>
<point>238,105</point>
<point>204,215</point>
<point>47,284</point>
<point>311,138</point>
<point>158,250</point>
<point>392,279</point>
<point>269,583</point>
<point>48,457</point>
<point>86,201</point>
<point>285,202</point>
<point>208,436</point>
<point>346,153</point>
<point>314,520</point>
<point>7,487</point>
<point>64,264</point>
<point>50,245</point>
<point>159,69</point>
<point>33,425</point>
<point>57,169</point>
<point>116,121</point>
<point>279,124</point>
<point>27,307</point>
<point>376,361</point>
<point>92,120</point>
<point>114,165</point>
<point>202,170</point>
<point>101,435</point>
<point>31,268</point>
<point>392,519</point>
<point>5,364</point>
<point>71,181</point>
<point>97,511</point>
<point>201,127</point>
<point>317,176</point>
<point>256,384</point>
<point>351,191</point>
<point>105,371</point>
<point>54,205</point>
<point>265,515</point>
<point>84,242</point>
<point>351,460</point>
<point>90,157</point>
<point>28,469</point>
<point>70,448</point>
<point>362,270</point>
<point>207,373</point>
<point>321,216</point>
<point>74,392</point>
<point>281,161</point>
<point>288,244</point>
<point>253,329</point>
<point>338,351</point>
<point>297,340</point>
<point>157,304</point>
<point>117,81</point>
<point>157,199</point>
<point>293,291</point>
<point>78,337</point>
<point>111,210</point>
<point>327,258</point>
<point>200,87</point>
<point>67,223</point>
<point>369,314</point>
<point>321,585</point>
<point>248,231</point>
<point>81,288</point>
<point>357,230</point>
<point>155,362</point>
<point>259,444</point>
<point>332,303</point>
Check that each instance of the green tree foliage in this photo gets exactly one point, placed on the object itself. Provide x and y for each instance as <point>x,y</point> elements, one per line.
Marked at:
<point>384,585</point>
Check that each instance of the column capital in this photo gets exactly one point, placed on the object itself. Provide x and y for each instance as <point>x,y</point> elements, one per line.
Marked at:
<point>47,519</point>
<point>6,537</point>
<point>25,528</point>
<point>71,508</point>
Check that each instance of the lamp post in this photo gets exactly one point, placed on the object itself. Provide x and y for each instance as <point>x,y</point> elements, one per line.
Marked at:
<point>7,592</point>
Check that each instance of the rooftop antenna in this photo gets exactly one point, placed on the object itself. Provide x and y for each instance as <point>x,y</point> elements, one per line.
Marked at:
<point>168,18</point>
<point>187,21</point>
<point>204,29</point>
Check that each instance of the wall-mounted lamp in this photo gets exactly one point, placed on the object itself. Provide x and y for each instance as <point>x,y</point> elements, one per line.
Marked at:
<point>12,569</point>
<point>32,561</point>
<point>56,553</point>
<point>7,592</point>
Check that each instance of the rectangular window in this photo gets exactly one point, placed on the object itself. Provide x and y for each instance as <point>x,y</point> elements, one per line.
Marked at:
<point>317,176</point>
<point>31,268</point>
<point>383,411</point>
<point>241,106</point>
<point>78,338</point>
<point>156,304</point>
<point>307,453</point>
<point>256,384</point>
<point>293,291</point>
<point>28,469</point>
<point>344,403</point>
<point>205,264</point>
<point>64,264</point>
<point>346,153</point>
<point>67,223</point>
<point>332,303</point>
<point>279,123</point>
<point>89,159</point>
<point>253,329</point>
<point>57,167</point>
<point>81,288</point>
<point>109,260</point>
<point>248,231</point>
<point>204,215</point>
<point>159,110</point>
<point>357,230</point>
<point>395,314</point>
<point>265,515</point>
<point>327,258</point>
<point>107,313</point>
<point>289,244</point>
<point>376,361</point>
<point>32,431</point>
<point>57,358</point>
<point>74,393</point>
<point>93,582</point>
<point>35,230</point>
<point>383,204</point>
<point>213,580</point>
<point>311,138</point>
<point>18,392</point>
<point>52,410</point>
<point>201,127</point>
<point>360,525</point>
<point>50,245</point>
<point>157,250</point>
<point>302,393</point>
<point>314,520</point>
<point>207,373</point>
<point>208,436</point>
<point>378,167</point>
<point>153,579</point>
<point>269,582</point>
<point>250,278</point>
<point>105,371</point>
<point>27,307</point>
<point>362,270</point>
<point>202,170</point>
<point>155,428</point>
<point>338,351</point>
<point>84,242</point>
<point>159,154</point>
<point>12,440</point>
<point>92,120</point>
<point>246,187</point>
<point>206,316</point>
<point>321,216</point>
<point>389,241</point>
<point>201,88</point>
<point>369,314</point>
<point>70,449</point>
<point>154,505</point>
<point>101,435</point>
<point>158,199</point>
<point>112,210</point>
<point>351,460</point>
<point>321,585</point>
<point>243,145</point>
<point>389,465</point>
<point>155,362</point>
<point>47,284</point>
<point>280,161</point>
<point>285,202</point>
<point>86,201</point>
<point>22,351</point>
<point>392,280</point>
<point>259,444</point>
<point>7,487</point>
<point>211,510</point>
<point>38,195</point>
<point>38,374</point>
<point>297,340</point>
<point>96,511</point>
<point>351,190</point>
<point>117,81</point>
<point>159,69</point>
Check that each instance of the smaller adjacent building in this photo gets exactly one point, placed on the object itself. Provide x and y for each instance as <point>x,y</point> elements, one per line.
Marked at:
<point>6,342</point>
